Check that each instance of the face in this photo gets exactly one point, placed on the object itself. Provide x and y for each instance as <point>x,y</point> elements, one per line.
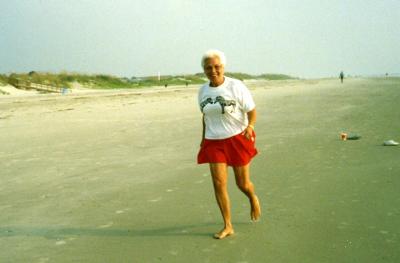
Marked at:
<point>214,71</point>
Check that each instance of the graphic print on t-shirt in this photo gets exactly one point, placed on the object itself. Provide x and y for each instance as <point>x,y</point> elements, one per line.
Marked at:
<point>221,101</point>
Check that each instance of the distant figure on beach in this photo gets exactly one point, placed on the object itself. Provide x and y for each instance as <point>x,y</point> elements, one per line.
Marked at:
<point>341,75</point>
<point>228,137</point>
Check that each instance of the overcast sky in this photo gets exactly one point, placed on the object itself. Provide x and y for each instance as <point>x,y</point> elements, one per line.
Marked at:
<point>308,38</point>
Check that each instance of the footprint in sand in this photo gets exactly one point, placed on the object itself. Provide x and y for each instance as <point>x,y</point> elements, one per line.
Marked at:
<point>288,196</point>
<point>121,211</point>
<point>155,200</point>
<point>61,242</point>
<point>106,225</point>
<point>206,250</point>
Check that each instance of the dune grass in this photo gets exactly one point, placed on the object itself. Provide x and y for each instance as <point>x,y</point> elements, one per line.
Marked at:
<point>3,79</point>
<point>104,81</point>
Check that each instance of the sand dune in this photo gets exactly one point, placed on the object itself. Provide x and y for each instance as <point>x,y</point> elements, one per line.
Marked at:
<point>9,90</point>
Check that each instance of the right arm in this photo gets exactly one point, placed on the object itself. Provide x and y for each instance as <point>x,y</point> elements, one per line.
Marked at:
<point>203,132</point>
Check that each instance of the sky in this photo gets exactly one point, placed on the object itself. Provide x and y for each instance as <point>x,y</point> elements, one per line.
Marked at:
<point>306,39</point>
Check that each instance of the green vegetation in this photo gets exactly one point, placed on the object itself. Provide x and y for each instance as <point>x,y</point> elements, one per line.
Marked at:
<point>3,79</point>
<point>244,76</point>
<point>102,81</point>
<point>274,77</point>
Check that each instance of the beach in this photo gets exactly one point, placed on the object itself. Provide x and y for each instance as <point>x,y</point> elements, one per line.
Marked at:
<point>111,176</point>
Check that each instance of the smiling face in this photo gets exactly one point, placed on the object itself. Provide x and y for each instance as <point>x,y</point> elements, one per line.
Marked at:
<point>214,71</point>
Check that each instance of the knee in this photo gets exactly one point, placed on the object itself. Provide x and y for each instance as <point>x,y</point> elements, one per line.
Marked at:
<point>244,186</point>
<point>219,183</point>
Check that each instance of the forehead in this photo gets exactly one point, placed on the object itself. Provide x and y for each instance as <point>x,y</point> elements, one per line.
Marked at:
<point>212,61</point>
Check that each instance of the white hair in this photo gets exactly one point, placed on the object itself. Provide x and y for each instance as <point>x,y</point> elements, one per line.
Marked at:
<point>212,53</point>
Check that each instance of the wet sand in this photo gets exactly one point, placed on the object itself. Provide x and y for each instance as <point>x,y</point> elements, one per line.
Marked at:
<point>112,177</point>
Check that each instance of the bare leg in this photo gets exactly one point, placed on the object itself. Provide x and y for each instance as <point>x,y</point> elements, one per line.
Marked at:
<point>242,176</point>
<point>219,175</point>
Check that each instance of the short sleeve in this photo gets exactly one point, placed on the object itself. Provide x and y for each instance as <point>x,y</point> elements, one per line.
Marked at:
<point>199,97</point>
<point>247,99</point>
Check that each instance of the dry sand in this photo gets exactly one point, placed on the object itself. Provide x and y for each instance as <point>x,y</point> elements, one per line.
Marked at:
<point>111,177</point>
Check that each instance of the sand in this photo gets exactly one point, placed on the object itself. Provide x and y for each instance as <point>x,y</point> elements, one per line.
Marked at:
<point>111,177</point>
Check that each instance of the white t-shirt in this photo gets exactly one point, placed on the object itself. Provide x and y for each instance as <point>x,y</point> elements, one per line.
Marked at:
<point>225,108</point>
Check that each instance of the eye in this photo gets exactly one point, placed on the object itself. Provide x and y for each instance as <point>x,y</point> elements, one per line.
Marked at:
<point>211,67</point>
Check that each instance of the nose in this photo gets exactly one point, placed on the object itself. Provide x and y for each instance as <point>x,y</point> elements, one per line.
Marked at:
<point>214,70</point>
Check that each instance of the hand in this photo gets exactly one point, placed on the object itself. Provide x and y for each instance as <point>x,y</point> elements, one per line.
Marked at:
<point>248,133</point>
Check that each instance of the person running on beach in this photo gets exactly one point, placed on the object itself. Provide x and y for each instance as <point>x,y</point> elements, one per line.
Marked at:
<point>341,75</point>
<point>228,137</point>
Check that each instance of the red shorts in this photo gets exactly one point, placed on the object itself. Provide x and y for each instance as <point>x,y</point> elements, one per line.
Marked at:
<point>234,151</point>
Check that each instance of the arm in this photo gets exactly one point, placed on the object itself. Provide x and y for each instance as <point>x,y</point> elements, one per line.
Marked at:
<point>252,117</point>
<point>203,133</point>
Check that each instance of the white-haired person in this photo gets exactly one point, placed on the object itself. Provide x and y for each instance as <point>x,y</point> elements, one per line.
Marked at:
<point>228,138</point>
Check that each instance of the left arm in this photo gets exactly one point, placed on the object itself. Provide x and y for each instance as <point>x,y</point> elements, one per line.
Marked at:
<point>251,116</point>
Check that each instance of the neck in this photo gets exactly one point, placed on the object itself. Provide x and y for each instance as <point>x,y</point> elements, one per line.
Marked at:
<point>216,84</point>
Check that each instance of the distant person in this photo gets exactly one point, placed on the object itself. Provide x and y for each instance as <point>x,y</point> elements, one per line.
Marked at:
<point>228,137</point>
<point>341,75</point>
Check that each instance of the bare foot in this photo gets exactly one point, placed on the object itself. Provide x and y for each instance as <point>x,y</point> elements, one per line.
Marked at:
<point>224,233</point>
<point>255,213</point>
